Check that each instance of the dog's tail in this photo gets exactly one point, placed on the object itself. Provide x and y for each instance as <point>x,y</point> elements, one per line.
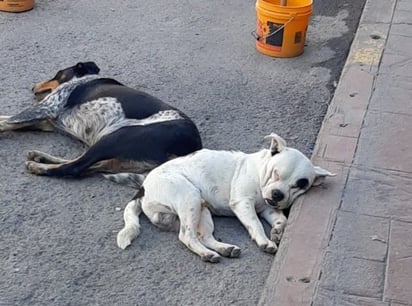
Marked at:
<point>133,180</point>
<point>131,227</point>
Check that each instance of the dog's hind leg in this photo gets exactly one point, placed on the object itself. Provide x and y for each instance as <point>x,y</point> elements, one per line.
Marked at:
<point>107,156</point>
<point>205,232</point>
<point>85,164</point>
<point>44,158</point>
<point>190,216</point>
<point>157,206</point>
<point>73,168</point>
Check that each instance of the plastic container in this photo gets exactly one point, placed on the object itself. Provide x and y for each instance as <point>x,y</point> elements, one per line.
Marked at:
<point>281,29</point>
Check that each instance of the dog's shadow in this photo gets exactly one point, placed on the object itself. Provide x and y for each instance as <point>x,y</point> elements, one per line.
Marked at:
<point>227,230</point>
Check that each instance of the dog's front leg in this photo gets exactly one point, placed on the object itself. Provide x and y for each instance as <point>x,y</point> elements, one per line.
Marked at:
<point>246,213</point>
<point>277,221</point>
<point>5,125</point>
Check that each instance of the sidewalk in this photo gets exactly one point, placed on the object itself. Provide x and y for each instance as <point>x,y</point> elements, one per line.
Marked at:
<point>351,242</point>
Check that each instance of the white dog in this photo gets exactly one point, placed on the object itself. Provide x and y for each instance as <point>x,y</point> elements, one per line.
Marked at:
<point>182,193</point>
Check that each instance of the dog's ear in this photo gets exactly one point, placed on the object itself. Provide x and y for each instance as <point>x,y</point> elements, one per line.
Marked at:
<point>320,175</point>
<point>277,144</point>
<point>87,68</point>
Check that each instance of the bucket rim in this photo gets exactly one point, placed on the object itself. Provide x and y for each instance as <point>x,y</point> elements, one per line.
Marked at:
<point>287,7</point>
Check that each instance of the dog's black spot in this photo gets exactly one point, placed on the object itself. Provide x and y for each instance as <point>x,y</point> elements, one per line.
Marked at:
<point>273,152</point>
<point>302,183</point>
<point>286,212</point>
<point>79,70</point>
<point>85,68</point>
<point>139,194</point>
<point>99,88</point>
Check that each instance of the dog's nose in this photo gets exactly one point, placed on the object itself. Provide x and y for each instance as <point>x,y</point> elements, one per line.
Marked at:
<point>277,195</point>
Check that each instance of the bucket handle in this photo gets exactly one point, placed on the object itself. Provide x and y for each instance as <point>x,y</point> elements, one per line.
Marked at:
<point>260,38</point>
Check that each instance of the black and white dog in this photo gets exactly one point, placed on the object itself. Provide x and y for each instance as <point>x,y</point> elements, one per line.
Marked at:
<point>126,130</point>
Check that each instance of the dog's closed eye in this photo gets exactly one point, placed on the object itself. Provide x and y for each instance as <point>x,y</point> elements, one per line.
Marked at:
<point>301,183</point>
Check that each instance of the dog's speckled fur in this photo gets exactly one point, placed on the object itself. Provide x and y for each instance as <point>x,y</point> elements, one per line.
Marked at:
<point>125,129</point>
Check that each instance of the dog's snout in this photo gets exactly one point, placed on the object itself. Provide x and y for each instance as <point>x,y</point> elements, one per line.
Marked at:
<point>277,195</point>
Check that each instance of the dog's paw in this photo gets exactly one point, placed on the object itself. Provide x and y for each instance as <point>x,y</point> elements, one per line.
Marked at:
<point>35,156</point>
<point>232,251</point>
<point>235,253</point>
<point>33,168</point>
<point>276,235</point>
<point>210,257</point>
<point>277,231</point>
<point>269,247</point>
<point>31,156</point>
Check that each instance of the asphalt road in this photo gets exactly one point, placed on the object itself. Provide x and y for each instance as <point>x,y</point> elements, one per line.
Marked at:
<point>57,236</point>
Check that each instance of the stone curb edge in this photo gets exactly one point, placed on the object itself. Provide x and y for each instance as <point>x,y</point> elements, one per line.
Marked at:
<point>296,269</point>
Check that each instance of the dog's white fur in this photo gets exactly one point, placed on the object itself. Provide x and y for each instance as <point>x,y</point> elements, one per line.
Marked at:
<point>182,193</point>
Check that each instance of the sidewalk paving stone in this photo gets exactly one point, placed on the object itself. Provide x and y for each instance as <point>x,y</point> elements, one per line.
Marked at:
<point>385,142</point>
<point>379,192</point>
<point>399,40</point>
<point>378,11</point>
<point>396,65</point>
<point>360,236</point>
<point>353,276</point>
<point>399,272</point>
<point>393,95</point>
<point>403,13</point>
<point>333,298</point>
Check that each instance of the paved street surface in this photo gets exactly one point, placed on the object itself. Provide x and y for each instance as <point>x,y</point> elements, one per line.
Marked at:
<point>350,243</point>
<point>57,236</point>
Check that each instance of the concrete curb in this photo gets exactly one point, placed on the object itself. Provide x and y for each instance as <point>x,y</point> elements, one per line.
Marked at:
<point>295,272</point>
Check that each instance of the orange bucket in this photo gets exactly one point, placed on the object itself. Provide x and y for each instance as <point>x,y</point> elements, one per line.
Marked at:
<point>281,29</point>
<point>16,6</point>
